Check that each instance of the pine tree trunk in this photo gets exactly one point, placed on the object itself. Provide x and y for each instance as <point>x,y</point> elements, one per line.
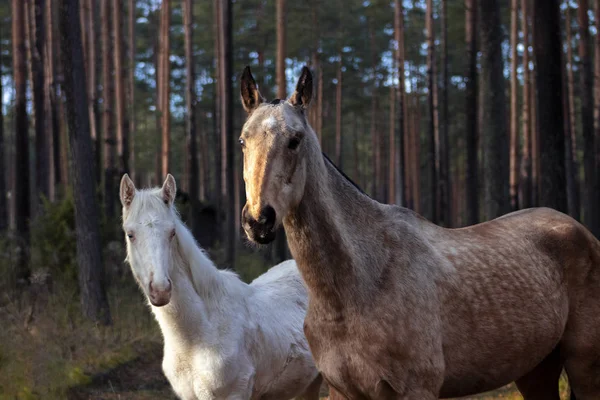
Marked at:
<point>22,199</point>
<point>42,142</point>
<point>374,134</point>
<point>338,113</point>
<point>548,55</point>
<point>399,176</point>
<point>131,85</point>
<point>571,166</point>
<point>417,153</point>
<point>52,85</point>
<point>496,138</point>
<point>525,178</point>
<point>165,83</point>
<point>514,118</point>
<point>281,49</point>
<point>121,116</point>
<point>90,49</point>
<point>89,253</point>
<point>226,100</point>
<point>391,198</point>
<point>471,115</point>
<point>217,109</point>
<point>590,200</point>
<point>433,150</point>
<point>109,164</point>
<point>535,132</point>
<point>445,183</point>
<point>3,166</point>
<point>49,109</point>
<point>190,102</point>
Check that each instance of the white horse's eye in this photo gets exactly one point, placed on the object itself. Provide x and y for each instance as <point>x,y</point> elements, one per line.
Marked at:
<point>172,234</point>
<point>130,235</point>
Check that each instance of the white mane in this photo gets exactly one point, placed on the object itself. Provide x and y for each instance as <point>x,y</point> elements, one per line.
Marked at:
<point>224,338</point>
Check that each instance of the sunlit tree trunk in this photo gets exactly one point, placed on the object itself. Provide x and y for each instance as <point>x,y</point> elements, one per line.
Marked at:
<point>190,101</point>
<point>514,118</point>
<point>281,49</point>
<point>22,199</point>
<point>590,199</point>
<point>548,55</point>
<point>89,252</point>
<point>165,84</point>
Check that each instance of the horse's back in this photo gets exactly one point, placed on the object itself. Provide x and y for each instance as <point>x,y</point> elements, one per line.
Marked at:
<point>508,284</point>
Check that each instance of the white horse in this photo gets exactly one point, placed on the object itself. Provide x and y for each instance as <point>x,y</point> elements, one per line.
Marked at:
<point>223,338</point>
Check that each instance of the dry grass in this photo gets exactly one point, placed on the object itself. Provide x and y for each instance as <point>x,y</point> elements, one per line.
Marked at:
<point>46,346</point>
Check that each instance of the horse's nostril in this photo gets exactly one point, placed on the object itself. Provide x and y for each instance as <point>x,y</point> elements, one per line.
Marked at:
<point>267,216</point>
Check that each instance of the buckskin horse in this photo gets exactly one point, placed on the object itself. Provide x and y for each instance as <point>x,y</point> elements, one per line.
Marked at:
<point>400,308</point>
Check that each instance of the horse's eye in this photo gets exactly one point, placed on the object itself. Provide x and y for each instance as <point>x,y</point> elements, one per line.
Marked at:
<point>242,143</point>
<point>130,235</point>
<point>294,143</point>
<point>172,234</point>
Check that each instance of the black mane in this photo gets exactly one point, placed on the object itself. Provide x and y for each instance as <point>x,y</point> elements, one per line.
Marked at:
<point>275,101</point>
<point>344,175</point>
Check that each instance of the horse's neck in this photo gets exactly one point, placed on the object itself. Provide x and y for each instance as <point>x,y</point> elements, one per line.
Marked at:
<point>199,291</point>
<point>330,233</point>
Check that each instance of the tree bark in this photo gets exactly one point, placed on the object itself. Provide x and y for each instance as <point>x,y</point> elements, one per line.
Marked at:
<point>525,178</point>
<point>445,183</point>
<point>514,118</point>
<point>548,55</point>
<point>42,142</point>
<point>22,199</point>
<point>338,113</point>
<point>496,138</point>
<point>89,253</point>
<point>217,109</point>
<point>190,102</point>
<point>121,115</point>
<point>281,49</point>
<point>590,200</point>
<point>90,50</point>
<point>131,86</point>
<point>109,164</point>
<point>471,115</point>
<point>572,166</point>
<point>165,83</point>
<point>398,177</point>
<point>433,150</point>
<point>226,101</point>
<point>3,166</point>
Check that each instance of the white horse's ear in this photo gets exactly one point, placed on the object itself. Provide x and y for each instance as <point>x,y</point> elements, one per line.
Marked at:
<point>169,190</point>
<point>127,191</point>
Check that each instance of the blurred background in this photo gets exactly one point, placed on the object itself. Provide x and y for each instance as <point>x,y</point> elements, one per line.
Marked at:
<point>462,110</point>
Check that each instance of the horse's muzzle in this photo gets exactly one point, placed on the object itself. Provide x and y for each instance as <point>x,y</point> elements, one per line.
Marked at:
<point>261,230</point>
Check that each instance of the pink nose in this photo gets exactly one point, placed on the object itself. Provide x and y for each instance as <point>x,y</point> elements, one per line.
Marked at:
<point>159,297</point>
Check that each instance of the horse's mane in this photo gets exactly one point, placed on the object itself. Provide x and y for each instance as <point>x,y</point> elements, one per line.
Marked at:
<point>350,181</point>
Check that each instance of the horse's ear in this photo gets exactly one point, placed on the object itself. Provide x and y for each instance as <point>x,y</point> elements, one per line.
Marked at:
<point>127,191</point>
<point>251,97</point>
<point>169,190</point>
<point>303,94</point>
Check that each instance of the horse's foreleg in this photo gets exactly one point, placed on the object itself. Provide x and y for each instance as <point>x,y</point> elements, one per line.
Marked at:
<point>542,382</point>
<point>313,389</point>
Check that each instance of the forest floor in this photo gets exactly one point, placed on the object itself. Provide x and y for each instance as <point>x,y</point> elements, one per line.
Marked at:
<point>142,379</point>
